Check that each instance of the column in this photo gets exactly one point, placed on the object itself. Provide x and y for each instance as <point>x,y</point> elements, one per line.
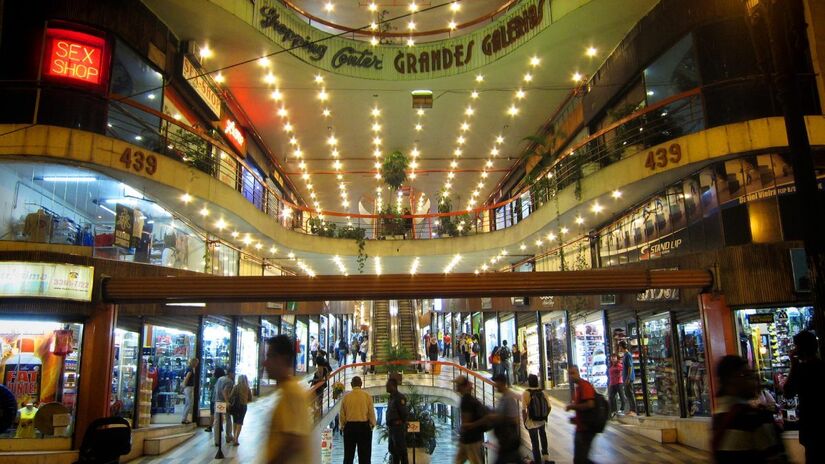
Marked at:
<point>96,366</point>
<point>720,340</point>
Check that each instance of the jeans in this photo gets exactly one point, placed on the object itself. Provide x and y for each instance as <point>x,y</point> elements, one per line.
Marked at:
<point>538,442</point>
<point>507,371</point>
<point>227,427</point>
<point>613,391</point>
<point>357,435</point>
<point>581,447</point>
<point>188,393</point>
<point>630,395</point>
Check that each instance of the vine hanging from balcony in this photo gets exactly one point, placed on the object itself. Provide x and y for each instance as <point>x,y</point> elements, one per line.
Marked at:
<point>394,169</point>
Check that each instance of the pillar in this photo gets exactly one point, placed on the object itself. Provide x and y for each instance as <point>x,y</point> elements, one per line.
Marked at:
<point>96,366</point>
<point>720,336</point>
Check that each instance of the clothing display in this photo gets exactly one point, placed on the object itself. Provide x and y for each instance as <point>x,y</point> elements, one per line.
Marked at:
<point>589,347</point>
<point>166,358</point>
<point>765,340</point>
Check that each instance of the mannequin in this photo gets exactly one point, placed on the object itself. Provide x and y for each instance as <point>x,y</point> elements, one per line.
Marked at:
<point>25,421</point>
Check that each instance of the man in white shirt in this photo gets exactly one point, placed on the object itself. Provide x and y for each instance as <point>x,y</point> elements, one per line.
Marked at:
<point>535,425</point>
<point>357,419</point>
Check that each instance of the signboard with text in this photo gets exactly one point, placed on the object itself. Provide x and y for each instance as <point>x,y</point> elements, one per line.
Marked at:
<point>124,226</point>
<point>234,134</point>
<point>77,58</point>
<point>46,280</point>
<point>199,83</point>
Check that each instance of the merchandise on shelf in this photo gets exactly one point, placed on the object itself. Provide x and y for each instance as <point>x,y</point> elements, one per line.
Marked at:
<point>590,354</point>
<point>660,369</point>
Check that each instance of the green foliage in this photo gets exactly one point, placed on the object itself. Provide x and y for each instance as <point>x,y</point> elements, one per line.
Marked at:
<point>358,234</point>
<point>397,353</point>
<point>391,221</point>
<point>195,152</point>
<point>452,226</point>
<point>394,169</point>
<point>321,228</point>
<point>418,410</point>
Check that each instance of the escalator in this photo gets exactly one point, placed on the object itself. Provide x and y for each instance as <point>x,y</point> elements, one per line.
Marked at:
<point>380,330</point>
<point>408,327</point>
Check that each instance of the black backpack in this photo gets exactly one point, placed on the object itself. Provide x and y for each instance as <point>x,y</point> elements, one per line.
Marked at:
<point>538,409</point>
<point>504,353</point>
<point>596,419</point>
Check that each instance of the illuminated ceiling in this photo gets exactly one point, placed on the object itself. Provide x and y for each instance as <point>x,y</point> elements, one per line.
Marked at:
<point>484,110</point>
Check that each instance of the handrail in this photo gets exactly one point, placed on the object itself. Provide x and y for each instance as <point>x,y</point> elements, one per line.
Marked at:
<point>362,31</point>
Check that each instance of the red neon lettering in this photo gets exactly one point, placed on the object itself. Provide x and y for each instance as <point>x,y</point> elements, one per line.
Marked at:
<point>74,60</point>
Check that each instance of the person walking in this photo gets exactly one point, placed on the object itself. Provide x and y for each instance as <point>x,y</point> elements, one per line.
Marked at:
<point>355,348</point>
<point>432,354</point>
<point>516,365</point>
<point>288,441</point>
<point>397,423</point>
<point>219,372</point>
<point>506,367</point>
<point>475,349</point>
<point>342,352</point>
<point>742,433</point>
<point>495,361</point>
<point>584,399</point>
<point>448,345</point>
<point>239,397</point>
<point>357,419</point>
<point>628,376</point>
<point>535,407</point>
<point>615,385</point>
<point>471,433</point>
<point>524,362</point>
<point>468,351</point>
<point>223,387</point>
<point>505,423</point>
<point>313,350</point>
<point>807,377</point>
<point>188,384</point>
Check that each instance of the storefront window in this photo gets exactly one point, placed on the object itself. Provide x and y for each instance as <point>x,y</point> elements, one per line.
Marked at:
<point>490,337</point>
<point>765,340</point>
<point>628,332</point>
<point>165,359</point>
<point>216,338</point>
<point>694,369</point>
<point>589,348</point>
<point>508,330</point>
<point>313,339</point>
<point>660,366</point>
<point>247,355</point>
<point>39,364</point>
<point>555,337</point>
<point>301,337</point>
<point>124,377</point>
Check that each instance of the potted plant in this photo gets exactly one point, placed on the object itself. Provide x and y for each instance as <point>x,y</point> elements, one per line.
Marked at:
<point>359,234</point>
<point>394,169</point>
<point>422,443</point>
<point>392,224</point>
<point>337,390</point>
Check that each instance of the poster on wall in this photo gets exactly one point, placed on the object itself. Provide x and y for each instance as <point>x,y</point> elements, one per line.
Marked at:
<point>124,226</point>
<point>46,280</point>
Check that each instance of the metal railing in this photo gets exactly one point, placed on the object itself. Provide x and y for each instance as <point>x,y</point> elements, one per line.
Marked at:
<point>138,124</point>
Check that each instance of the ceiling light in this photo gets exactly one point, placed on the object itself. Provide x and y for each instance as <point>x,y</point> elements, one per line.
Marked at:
<point>186,198</point>
<point>373,26</point>
<point>219,78</point>
<point>499,139</point>
<point>205,52</point>
<point>455,6</point>
<point>479,78</point>
<point>457,152</point>
<point>270,78</point>
<point>563,230</point>
<point>273,250</point>
<point>282,112</point>
<point>410,42</point>
<point>489,163</point>
<point>263,61</point>
<point>520,94</point>
<point>452,25</point>
<point>484,174</point>
<point>450,175</point>
<point>591,51</point>
<point>538,242</point>
<point>323,95</point>
<point>258,246</point>
<point>469,111</point>
<point>297,153</point>
<point>151,96</point>
<point>577,76</point>
<point>494,152</point>
<point>247,239</point>
<point>414,266</point>
<point>597,208</point>
<point>288,127</point>
<point>291,255</point>
<point>528,77</point>
<point>335,152</point>
<point>234,234</point>
<point>418,127</point>
<point>513,110</point>
<point>453,164</point>
<point>616,194</point>
<point>375,112</point>
<point>293,141</point>
<point>332,140</point>
<point>319,79</point>
<point>579,220</point>
<point>448,186</point>
<point>276,95</point>
<point>420,112</point>
<point>329,6</point>
<point>411,25</point>
<point>374,40</point>
<point>535,61</point>
<point>415,152</point>
<point>452,264</point>
<point>373,7</point>
<point>204,211</point>
<point>474,94</point>
<point>376,127</point>
<point>465,126</point>
<point>551,236</point>
<point>523,247</point>
<point>460,140</point>
<point>413,7</point>
<point>376,141</point>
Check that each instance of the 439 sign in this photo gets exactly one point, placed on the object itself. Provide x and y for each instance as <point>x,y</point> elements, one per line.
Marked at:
<point>662,157</point>
<point>139,162</point>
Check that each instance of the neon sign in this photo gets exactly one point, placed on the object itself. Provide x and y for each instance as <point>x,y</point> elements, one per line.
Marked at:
<point>235,135</point>
<point>76,56</point>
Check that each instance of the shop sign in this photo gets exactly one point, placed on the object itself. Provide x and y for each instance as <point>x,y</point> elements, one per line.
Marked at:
<point>76,57</point>
<point>124,226</point>
<point>658,249</point>
<point>519,301</point>
<point>234,134</point>
<point>760,318</point>
<point>46,280</point>
<point>547,301</point>
<point>658,294</point>
<point>487,303</point>
<point>435,59</point>
<point>192,74</point>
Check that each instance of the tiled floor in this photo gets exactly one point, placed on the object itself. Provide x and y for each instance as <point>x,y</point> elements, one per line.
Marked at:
<point>615,445</point>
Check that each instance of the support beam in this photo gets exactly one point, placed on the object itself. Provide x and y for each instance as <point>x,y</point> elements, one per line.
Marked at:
<point>397,286</point>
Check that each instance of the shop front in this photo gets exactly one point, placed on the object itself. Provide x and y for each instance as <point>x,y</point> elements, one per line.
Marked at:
<point>217,339</point>
<point>624,327</point>
<point>125,374</point>
<point>556,351</point>
<point>168,347</point>
<point>589,348</point>
<point>247,351</point>
<point>301,337</point>
<point>765,339</point>
<point>507,329</point>
<point>40,368</point>
<point>659,363</point>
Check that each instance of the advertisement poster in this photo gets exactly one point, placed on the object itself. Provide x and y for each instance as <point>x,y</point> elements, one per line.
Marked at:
<point>124,226</point>
<point>46,280</point>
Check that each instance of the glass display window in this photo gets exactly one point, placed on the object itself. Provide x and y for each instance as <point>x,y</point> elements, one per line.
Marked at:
<point>660,366</point>
<point>590,353</point>
<point>247,354</point>
<point>628,332</point>
<point>314,341</point>
<point>125,374</point>
<point>694,368</point>
<point>530,343</point>
<point>301,354</point>
<point>765,339</point>
<point>490,339</point>
<point>39,365</point>
<point>216,343</point>
<point>555,339</point>
<point>166,353</point>
<point>507,331</point>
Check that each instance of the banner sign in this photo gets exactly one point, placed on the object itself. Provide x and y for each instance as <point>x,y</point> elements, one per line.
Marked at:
<point>124,226</point>
<point>192,74</point>
<point>46,280</point>
<point>358,58</point>
<point>659,294</point>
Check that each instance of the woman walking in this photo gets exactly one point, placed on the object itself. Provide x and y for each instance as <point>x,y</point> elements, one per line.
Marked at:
<point>238,399</point>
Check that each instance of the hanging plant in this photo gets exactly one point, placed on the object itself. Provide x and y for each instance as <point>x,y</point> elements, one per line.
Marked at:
<point>394,169</point>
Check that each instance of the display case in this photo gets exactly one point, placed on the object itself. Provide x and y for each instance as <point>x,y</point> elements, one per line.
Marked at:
<point>216,344</point>
<point>660,366</point>
<point>555,341</point>
<point>694,369</point>
<point>589,347</point>
<point>629,333</point>
<point>125,375</point>
<point>166,360</point>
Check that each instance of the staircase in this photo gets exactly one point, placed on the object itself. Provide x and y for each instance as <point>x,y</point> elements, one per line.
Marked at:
<point>408,326</point>
<point>380,329</point>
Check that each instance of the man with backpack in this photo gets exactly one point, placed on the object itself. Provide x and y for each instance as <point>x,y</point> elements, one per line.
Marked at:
<point>506,365</point>
<point>535,407</point>
<point>591,415</point>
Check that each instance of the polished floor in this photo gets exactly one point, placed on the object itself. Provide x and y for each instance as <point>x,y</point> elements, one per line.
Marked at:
<point>615,445</point>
